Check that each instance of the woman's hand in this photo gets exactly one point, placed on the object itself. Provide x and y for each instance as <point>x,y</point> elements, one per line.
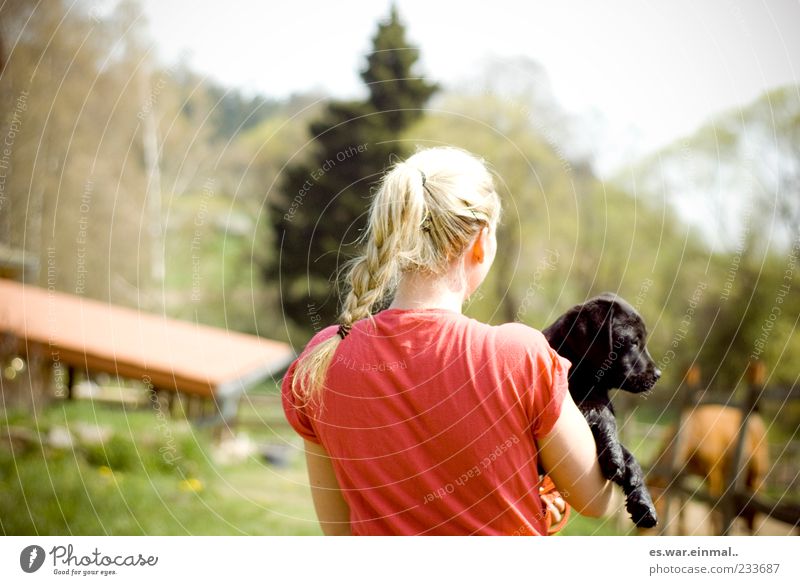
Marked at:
<point>555,505</point>
<point>557,509</point>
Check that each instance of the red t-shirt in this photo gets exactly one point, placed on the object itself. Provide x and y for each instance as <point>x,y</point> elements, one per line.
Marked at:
<point>430,418</point>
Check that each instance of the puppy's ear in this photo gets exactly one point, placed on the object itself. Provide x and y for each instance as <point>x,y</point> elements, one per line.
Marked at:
<point>586,331</point>
<point>567,334</point>
<point>602,309</point>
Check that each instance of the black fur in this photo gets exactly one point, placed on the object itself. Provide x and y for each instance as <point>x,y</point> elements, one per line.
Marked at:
<point>604,338</point>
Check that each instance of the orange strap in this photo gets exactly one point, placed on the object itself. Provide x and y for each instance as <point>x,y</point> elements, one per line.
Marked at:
<point>549,493</point>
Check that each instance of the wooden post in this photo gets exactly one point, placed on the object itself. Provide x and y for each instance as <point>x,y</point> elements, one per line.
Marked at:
<point>153,397</point>
<point>735,481</point>
<point>195,407</point>
<point>687,392</point>
<point>70,382</point>
<point>693,377</point>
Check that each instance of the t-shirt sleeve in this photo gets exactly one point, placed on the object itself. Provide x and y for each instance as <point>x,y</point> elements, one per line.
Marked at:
<point>299,415</point>
<point>542,381</point>
<point>296,413</point>
<point>549,390</point>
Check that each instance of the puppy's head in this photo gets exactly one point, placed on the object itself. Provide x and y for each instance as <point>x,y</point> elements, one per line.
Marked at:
<point>604,338</point>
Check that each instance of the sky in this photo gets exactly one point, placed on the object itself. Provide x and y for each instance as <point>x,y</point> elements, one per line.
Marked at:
<point>650,71</point>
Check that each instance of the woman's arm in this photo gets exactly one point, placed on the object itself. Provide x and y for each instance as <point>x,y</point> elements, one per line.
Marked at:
<point>332,511</point>
<point>569,455</point>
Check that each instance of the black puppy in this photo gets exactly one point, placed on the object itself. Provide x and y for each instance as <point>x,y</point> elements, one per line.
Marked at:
<point>604,338</point>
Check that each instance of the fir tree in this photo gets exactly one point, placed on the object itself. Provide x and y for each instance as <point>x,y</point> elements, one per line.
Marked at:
<point>322,208</point>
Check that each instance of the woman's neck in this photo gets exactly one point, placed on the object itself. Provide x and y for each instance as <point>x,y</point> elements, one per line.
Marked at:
<point>424,291</point>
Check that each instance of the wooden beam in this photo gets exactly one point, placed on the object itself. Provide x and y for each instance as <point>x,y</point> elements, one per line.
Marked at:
<point>735,481</point>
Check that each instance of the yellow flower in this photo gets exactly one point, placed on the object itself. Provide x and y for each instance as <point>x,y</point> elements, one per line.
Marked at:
<point>106,471</point>
<point>191,485</point>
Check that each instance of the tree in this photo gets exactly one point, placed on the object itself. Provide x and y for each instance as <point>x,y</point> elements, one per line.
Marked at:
<point>738,177</point>
<point>321,210</point>
<point>69,106</point>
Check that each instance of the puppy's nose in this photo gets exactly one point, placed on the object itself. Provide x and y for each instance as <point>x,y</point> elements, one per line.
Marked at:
<point>657,374</point>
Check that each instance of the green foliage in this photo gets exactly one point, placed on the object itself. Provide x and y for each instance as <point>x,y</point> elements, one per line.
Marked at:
<point>394,90</point>
<point>751,314</point>
<point>118,453</point>
<point>742,177</point>
<point>235,113</point>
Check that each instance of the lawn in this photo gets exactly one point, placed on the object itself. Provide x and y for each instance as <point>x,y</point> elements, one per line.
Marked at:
<point>146,478</point>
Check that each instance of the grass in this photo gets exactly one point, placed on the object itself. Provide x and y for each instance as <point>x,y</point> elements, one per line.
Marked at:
<point>578,525</point>
<point>128,485</point>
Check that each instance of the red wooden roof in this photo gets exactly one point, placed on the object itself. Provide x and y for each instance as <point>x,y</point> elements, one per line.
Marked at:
<point>172,354</point>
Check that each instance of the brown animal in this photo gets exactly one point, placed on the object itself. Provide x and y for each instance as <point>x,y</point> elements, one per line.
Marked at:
<point>706,449</point>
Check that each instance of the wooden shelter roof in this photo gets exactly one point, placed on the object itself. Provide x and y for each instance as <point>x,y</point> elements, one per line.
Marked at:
<point>164,352</point>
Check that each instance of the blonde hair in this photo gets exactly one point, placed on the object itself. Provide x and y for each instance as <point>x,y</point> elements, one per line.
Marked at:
<point>424,214</point>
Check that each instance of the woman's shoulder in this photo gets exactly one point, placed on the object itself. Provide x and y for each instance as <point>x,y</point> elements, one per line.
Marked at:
<point>516,341</point>
<point>521,335</point>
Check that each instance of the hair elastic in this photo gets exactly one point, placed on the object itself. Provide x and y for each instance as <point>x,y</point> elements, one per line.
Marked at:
<point>343,330</point>
<point>426,223</point>
<point>425,180</point>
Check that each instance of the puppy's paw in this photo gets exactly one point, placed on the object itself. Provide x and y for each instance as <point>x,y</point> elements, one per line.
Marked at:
<point>612,463</point>
<point>642,511</point>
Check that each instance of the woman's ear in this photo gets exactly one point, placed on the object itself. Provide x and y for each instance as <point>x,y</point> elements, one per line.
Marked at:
<point>480,244</point>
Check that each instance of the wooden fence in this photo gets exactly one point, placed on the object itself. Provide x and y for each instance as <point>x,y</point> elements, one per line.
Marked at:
<point>736,500</point>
